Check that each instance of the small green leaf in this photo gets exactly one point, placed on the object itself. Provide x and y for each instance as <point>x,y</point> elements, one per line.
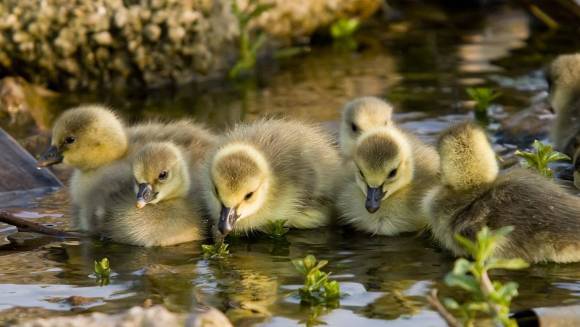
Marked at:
<point>309,262</point>
<point>467,244</point>
<point>478,306</point>
<point>467,283</point>
<point>450,303</point>
<point>462,266</point>
<point>508,291</point>
<point>511,264</point>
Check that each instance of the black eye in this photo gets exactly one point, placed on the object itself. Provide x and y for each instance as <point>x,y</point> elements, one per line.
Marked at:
<point>248,196</point>
<point>70,140</point>
<point>393,173</point>
<point>163,175</point>
<point>354,127</point>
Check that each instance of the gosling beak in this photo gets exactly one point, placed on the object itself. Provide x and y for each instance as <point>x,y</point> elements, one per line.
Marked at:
<point>144,195</point>
<point>51,156</point>
<point>228,217</point>
<point>374,197</point>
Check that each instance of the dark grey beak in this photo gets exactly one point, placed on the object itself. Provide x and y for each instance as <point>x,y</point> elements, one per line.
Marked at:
<point>144,195</point>
<point>374,197</point>
<point>228,217</point>
<point>51,156</point>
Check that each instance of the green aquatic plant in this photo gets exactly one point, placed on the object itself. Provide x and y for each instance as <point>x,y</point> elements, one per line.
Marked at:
<point>318,289</point>
<point>486,297</point>
<point>483,97</point>
<point>344,28</point>
<point>215,251</point>
<point>342,32</point>
<point>249,42</point>
<point>102,271</point>
<point>541,157</point>
<point>276,229</point>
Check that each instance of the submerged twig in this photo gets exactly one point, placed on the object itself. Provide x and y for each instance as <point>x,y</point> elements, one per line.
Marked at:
<point>440,308</point>
<point>24,225</point>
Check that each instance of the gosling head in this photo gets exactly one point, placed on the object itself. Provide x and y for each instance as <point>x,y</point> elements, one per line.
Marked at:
<point>384,163</point>
<point>467,158</point>
<point>160,172</point>
<point>86,138</point>
<point>241,179</point>
<point>563,78</point>
<point>361,115</point>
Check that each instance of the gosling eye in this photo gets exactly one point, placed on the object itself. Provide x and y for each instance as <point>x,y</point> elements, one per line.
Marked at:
<point>69,140</point>
<point>248,196</point>
<point>393,173</point>
<point>163,175</point>
<point>354,128</point>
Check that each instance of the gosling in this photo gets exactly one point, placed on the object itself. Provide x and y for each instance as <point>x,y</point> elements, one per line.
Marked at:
<point>271,170</point>
<point>471,195</point>
<point>391,171</point>
<point>564,82</point>
<point>158,205</point>
<point>94,141</point>
<point>359,116</point>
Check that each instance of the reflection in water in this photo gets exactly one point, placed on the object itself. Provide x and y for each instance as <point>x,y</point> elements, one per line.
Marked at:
<point>421,64</point>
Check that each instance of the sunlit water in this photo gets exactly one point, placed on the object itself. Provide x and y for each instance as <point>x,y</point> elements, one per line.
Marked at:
<point>422,64</point>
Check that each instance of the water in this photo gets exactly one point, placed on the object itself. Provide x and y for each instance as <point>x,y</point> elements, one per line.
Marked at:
<point>422,63</point>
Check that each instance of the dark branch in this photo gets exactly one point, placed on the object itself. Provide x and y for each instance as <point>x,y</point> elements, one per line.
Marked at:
<point>24,225</point>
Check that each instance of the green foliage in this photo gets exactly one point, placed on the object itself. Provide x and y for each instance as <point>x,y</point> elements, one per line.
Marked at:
<point>276,229</point>
<point>344,28</point>
<point>250,44</point>
<point>486,297</point>
<point>540,158</point>
<point>215,251</point>
<point>342,32</point>
<point>317,289</point>
<point>103,271</point>
<point>483,97</point>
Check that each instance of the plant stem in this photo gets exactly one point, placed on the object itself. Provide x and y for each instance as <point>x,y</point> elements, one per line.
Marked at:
<point>440,308</point>
<point>487,288</point>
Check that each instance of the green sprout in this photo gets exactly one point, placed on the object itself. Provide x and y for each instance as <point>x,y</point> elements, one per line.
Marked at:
<point>487,297</point>
<point>540,158</point>
<point>276,229</point>
<point>317,289</point>
<point>103,271</point>
<point>342,32</point>
<point>344,28</point>
<point>483,98</point>
<point>250,44</point>
<point>215,251</point>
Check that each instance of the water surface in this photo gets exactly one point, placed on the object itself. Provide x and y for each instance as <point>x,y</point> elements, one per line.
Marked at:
<point>422,63</point>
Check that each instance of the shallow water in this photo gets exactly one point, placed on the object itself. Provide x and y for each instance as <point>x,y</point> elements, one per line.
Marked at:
<point>421,63</point>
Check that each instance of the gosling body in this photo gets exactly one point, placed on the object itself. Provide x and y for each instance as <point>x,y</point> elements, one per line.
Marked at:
<point>271,170</point>
<point>389,174</point>
<point>472,194</point>
<point>361,115</point>
<point>169,214</point>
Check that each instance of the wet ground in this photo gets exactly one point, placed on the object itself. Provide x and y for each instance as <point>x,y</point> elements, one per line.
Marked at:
<point>422,62</point>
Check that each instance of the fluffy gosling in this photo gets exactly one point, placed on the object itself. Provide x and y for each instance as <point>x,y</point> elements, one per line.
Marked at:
<point>391,171</point>
<point>472,195</point>
<point>161,209</point>
<point>271,170</point>
<point>94,141</point>
<point>359,116</point>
